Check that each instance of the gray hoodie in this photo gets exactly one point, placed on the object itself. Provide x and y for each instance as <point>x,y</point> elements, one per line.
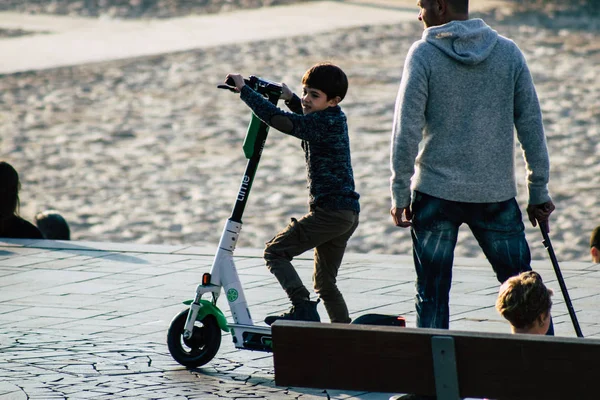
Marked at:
<point>464,89</point>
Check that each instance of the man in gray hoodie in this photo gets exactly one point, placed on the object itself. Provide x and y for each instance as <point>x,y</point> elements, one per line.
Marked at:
<point>464,90</point>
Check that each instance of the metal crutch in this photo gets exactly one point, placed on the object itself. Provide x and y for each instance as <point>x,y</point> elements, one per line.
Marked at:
<point>563,288</point>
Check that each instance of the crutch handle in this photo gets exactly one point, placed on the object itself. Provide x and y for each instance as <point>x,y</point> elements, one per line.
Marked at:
<point>544,226</point>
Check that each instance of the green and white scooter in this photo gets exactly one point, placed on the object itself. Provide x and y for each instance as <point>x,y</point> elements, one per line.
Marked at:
<point>194,336</point>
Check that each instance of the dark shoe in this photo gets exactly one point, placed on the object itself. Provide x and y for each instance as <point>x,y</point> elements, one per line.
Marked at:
<point>304,311</point>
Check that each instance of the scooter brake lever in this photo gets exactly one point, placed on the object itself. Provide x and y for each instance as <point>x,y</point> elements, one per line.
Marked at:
<point>230,88</point>
<point>230,84</point>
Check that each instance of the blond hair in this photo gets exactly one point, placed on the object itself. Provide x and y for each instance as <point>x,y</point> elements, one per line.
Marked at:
<point>524,299</point>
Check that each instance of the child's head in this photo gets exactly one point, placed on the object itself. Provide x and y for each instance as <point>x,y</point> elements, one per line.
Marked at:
<point>525,302</point>
<point>9,190</point>
<point>328,78</point>
<point>595,245</point>
<point>324,85</point>
<point>52,225</point>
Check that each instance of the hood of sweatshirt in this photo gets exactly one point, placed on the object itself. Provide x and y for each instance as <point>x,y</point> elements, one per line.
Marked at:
<point>469,42</point>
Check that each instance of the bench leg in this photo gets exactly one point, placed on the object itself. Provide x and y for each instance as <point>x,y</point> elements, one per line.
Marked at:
<point>444,368</point>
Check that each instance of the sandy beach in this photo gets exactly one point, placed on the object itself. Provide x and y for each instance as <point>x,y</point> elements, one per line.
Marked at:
<point>134,9</point>
<point>148,150</point>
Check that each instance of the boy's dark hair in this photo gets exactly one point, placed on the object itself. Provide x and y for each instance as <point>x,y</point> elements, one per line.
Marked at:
<point>52,225</point>
<point>9,190</point>
<point>328,78</point>
<point>595,238</point>
<point>523,299</point>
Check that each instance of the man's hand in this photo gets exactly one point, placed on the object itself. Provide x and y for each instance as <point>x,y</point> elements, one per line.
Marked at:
<point>540,213</point>
<point>238,81</point>
<point>399,213</point>
<point>286,93</point>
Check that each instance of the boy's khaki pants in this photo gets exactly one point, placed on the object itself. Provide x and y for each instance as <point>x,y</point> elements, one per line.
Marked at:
<point>327,232</point>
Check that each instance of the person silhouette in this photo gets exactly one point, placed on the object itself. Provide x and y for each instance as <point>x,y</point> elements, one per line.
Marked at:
<point>11,224</point>
<point>52,225</point>
<point>595,245</point>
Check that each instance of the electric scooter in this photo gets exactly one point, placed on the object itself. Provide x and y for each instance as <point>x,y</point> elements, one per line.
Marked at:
<point>194,336</point>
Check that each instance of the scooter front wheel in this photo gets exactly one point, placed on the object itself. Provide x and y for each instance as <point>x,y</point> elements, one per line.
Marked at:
<point>201,347</point>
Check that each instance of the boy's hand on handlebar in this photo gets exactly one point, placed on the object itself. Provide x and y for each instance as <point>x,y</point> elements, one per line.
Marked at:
<point>286,93</point>
<point>238,81</point>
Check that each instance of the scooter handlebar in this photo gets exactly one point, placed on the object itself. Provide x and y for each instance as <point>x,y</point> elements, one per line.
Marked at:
<point>262,86</point>
<point>230,84</point>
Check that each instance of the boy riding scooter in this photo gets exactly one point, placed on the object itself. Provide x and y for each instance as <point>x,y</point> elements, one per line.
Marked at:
<point>319,122</point>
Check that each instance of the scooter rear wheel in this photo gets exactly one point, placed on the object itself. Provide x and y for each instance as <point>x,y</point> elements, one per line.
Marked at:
<point>201,347</point>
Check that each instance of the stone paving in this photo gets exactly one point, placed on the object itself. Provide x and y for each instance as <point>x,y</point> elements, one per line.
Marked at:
<point>82,320</point>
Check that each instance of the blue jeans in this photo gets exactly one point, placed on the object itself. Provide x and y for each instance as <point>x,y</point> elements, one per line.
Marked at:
<point>498,228</point>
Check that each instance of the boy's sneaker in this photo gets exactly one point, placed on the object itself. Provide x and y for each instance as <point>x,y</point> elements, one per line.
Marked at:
<point>305,311</point>
<point>411,397</point>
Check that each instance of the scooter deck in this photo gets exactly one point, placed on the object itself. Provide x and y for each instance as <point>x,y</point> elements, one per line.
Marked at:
<point>252,337</point>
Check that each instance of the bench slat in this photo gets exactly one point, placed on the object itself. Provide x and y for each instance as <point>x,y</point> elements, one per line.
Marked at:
<point>392,359</point>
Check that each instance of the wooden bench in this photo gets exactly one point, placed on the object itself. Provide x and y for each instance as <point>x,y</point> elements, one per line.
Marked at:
<point>449,364</point>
